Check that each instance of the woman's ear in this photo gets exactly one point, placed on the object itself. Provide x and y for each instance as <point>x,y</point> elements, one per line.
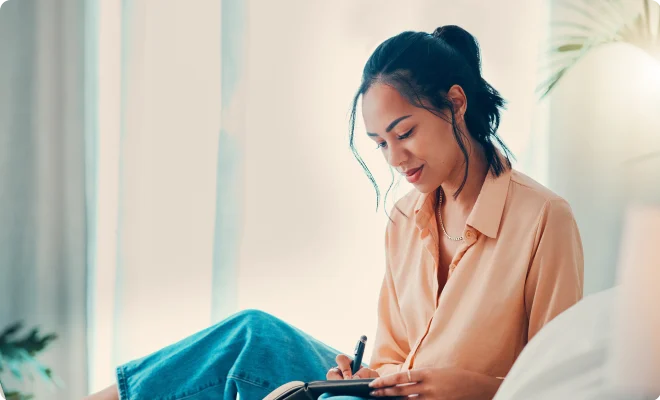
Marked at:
<point>457,97</point>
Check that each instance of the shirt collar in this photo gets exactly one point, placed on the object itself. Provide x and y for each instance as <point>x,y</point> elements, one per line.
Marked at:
<point>487,212</point>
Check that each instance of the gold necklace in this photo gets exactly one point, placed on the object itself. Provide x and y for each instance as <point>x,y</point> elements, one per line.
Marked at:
<point>440,195</point>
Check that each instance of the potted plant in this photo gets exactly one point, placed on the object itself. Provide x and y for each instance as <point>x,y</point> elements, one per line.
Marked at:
<point>18,358</point>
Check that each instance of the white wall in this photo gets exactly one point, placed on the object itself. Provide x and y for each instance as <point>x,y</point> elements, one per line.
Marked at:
<point>313,245</point>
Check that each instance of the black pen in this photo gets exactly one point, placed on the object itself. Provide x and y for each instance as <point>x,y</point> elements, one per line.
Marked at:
<point>358,353</point>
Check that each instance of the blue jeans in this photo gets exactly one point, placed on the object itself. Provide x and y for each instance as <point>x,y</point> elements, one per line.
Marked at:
<point>250,353</point>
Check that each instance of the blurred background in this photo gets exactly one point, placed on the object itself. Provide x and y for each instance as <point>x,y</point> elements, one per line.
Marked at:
<point>164,164</point>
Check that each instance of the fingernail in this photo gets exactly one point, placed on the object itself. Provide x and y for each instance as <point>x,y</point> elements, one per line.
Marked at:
<point>373,393</point>
<point>372,383</point>
<point>355,377</point>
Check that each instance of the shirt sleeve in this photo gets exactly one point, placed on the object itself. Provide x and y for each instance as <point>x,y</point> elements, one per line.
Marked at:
<point>391,345</point>
<point>555,279</point>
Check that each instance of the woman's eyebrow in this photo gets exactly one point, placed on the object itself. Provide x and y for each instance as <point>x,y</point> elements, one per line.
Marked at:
<point>391,125</point>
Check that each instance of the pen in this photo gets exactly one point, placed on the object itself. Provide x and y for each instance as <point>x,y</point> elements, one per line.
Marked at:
<point>358,353</point>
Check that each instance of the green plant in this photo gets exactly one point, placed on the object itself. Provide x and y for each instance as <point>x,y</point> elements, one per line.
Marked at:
<point>17,356</point>
<point>589,24</point>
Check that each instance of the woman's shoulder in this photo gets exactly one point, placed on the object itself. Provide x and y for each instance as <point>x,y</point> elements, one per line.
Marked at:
<point>528,197</point>
<point>526,189</point>
<point>531,188</point>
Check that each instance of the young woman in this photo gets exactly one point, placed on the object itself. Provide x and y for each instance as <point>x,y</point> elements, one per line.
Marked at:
<point>479,256</point>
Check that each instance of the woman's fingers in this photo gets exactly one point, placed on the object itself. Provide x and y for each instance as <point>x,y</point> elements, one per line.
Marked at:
<point>334,374</point>
<point>398,378</point>
<point>365,373</point>
<point>344,370</point>
<point>361,374</point>
<point>344,364</point>
<point>400,390</point>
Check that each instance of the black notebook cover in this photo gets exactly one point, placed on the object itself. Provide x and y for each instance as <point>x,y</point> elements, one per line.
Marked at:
<point>298,390</point>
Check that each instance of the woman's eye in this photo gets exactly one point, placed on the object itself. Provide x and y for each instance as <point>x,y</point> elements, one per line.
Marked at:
<point>404,136</point>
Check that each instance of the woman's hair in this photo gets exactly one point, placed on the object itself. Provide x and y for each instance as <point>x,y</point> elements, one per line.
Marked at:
<point>423,67</point>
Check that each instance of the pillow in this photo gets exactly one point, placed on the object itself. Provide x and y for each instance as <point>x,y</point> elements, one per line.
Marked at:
<point>567,358</point>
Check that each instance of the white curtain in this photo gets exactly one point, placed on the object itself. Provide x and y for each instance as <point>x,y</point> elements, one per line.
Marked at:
<point>42,184</point>
<point>156,156</point>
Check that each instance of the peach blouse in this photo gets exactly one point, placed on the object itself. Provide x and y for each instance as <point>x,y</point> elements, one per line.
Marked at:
<point>519,265</point>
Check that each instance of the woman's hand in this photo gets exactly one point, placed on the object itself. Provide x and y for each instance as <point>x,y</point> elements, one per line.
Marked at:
<point>437,384</point>
<point>343,370</point>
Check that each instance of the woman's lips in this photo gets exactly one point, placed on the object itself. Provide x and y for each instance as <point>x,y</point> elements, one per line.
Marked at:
<point>416,173</point>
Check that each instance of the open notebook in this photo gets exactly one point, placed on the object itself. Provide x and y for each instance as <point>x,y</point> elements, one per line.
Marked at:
<point>298,390</point>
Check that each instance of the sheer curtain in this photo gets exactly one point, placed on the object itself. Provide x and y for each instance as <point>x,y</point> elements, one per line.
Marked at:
<point>156,148</point>
<point>42,184</point>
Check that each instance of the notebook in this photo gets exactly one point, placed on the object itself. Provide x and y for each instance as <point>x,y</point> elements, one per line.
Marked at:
<point>298,390</point>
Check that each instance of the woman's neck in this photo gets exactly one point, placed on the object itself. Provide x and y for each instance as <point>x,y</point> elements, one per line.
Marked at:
<point>477,172</point>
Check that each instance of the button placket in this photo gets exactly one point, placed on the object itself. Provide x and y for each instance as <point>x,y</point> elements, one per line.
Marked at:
<point>469,238</point>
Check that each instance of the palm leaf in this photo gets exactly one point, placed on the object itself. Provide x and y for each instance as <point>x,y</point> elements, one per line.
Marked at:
<point>597,16</point>
<point>570,47</point>
<point>584,48</point>
<point>593,23</point>
<point>647,19</point>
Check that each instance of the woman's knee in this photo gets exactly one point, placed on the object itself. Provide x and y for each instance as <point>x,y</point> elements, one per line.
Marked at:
<point>253,322</point>
<point>254,317</point>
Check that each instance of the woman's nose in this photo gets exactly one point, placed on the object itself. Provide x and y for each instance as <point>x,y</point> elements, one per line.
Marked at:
<point>396,156</point>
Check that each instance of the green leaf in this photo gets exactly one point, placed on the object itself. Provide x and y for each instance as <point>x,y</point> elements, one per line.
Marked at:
<point>16,352</point>
<point>551,82</point>
<point>10,330</point>
<point>15,370</point>
<point>18,396</point>
<point>570,47</point>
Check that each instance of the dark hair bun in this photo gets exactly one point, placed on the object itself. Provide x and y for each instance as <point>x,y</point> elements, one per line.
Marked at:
<point>463,42</point>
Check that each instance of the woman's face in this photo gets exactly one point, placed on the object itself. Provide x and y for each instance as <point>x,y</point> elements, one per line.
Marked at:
<point>411,137</point>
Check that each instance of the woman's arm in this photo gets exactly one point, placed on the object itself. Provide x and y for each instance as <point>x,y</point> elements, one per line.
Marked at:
<point>438,383</point>
<point>391,344</point>
<point>555,278</point>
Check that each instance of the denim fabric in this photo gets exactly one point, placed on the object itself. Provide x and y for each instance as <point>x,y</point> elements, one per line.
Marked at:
<point>249,354</point>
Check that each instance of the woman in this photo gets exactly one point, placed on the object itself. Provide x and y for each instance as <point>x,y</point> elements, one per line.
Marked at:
<point>479,256</point>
